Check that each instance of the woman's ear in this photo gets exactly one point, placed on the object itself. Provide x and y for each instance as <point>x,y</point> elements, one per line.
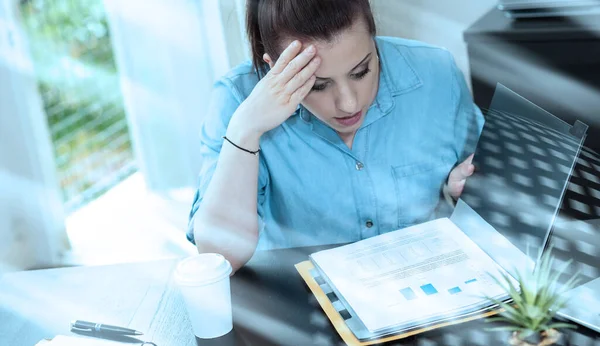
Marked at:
<point>268,60</point>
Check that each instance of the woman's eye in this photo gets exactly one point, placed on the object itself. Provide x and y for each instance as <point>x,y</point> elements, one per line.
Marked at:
<point>356,76</point>
<point>361,74</point>
<point>319,87</point>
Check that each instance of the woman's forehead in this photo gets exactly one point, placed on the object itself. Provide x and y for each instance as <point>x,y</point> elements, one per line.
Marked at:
<point>341,55</point>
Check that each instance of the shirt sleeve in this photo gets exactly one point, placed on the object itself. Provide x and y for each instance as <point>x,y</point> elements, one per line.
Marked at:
<point>468,121</point>
<point>225,99</point>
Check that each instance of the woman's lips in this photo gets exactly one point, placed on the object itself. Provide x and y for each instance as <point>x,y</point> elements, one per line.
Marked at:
<point>351,120</point>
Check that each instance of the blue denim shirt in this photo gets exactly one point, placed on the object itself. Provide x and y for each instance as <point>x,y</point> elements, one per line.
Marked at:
<point>314,190</point>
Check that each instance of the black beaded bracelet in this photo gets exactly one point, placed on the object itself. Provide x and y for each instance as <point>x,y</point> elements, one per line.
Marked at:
<point>237,146</point>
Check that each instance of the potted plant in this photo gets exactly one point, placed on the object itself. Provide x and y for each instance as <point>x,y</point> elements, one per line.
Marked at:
<point>536,297</point>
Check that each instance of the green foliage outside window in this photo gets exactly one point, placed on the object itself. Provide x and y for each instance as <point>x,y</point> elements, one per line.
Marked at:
<point>72,53</point>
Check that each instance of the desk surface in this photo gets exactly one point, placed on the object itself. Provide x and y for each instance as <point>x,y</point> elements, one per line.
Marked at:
<point>271,306</point>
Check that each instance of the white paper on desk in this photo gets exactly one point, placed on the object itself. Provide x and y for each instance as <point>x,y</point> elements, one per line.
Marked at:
<point>376,276</point>
<point>62,340</point>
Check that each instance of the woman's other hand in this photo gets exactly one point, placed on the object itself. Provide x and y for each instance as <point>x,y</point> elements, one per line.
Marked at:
<point>277,95</point>
<point>458,176</point>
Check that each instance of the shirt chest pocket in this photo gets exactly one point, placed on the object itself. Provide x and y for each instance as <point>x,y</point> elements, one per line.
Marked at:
<point>418,189</point>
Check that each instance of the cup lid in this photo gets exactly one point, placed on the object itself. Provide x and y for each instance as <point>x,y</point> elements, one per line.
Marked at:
<point>202,269</point>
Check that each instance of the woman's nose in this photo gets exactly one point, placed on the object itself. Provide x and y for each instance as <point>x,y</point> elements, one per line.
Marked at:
<point>347,101</point>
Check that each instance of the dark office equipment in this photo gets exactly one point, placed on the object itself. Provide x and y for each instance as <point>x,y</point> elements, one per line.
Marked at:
<point>554,63</point>
<point>548,8</point>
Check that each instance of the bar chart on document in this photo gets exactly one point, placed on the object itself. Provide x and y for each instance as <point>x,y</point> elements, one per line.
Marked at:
<point>429,272</point>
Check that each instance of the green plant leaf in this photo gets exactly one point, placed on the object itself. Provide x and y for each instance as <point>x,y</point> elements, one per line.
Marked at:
<point>512,314</point>
<point>501,320</point>
<point>508,286</point>
<point>526,294</point>
<point>537,297</point>
<point>504,328</point>
<point>543,274</point>
<point>561,325</point>
<point>571,283</point>
<point>495,319</point>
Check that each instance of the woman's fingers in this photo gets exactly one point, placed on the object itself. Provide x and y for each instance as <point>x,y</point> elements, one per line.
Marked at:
<point>301,92</point>
<point>288,55</point>
<point>458,176</point>
<point>462,171</point>
<point>303,76</point>
<point>292,76</point>
<point>296,65</point>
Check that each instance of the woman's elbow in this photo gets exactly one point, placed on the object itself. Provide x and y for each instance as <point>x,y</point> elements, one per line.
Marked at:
<point>236,243</point>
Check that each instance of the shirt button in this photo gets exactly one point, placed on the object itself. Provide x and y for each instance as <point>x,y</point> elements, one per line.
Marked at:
<point>369,224</point>
<point>359,166</point>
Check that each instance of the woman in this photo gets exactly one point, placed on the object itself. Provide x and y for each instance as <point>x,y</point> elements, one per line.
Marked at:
<point>331,135</point>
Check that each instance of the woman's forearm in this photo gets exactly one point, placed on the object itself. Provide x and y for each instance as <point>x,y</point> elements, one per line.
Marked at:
<point>227,220</point>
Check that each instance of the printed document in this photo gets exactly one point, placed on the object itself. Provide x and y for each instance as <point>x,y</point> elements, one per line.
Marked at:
<point>411,276</point>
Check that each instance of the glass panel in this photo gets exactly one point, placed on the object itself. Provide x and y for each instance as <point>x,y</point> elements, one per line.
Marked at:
<point>523,162</point>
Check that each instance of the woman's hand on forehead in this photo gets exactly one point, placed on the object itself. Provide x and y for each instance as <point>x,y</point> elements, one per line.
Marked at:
<point>277,95</point>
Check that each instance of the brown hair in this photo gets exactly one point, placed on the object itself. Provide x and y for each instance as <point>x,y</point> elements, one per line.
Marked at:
<point>268,22</point>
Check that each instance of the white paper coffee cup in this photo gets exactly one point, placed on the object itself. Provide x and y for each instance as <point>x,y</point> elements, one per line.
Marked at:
<point>203,280</point>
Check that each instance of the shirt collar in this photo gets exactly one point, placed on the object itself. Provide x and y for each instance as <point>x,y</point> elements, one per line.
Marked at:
<point>396,77</point>
<point>397,71</point>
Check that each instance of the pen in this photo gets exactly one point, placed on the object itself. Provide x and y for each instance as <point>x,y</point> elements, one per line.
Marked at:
<point>84,326</point>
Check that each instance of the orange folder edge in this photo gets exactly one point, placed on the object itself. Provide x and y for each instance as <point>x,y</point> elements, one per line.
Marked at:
<point>340,326</point>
